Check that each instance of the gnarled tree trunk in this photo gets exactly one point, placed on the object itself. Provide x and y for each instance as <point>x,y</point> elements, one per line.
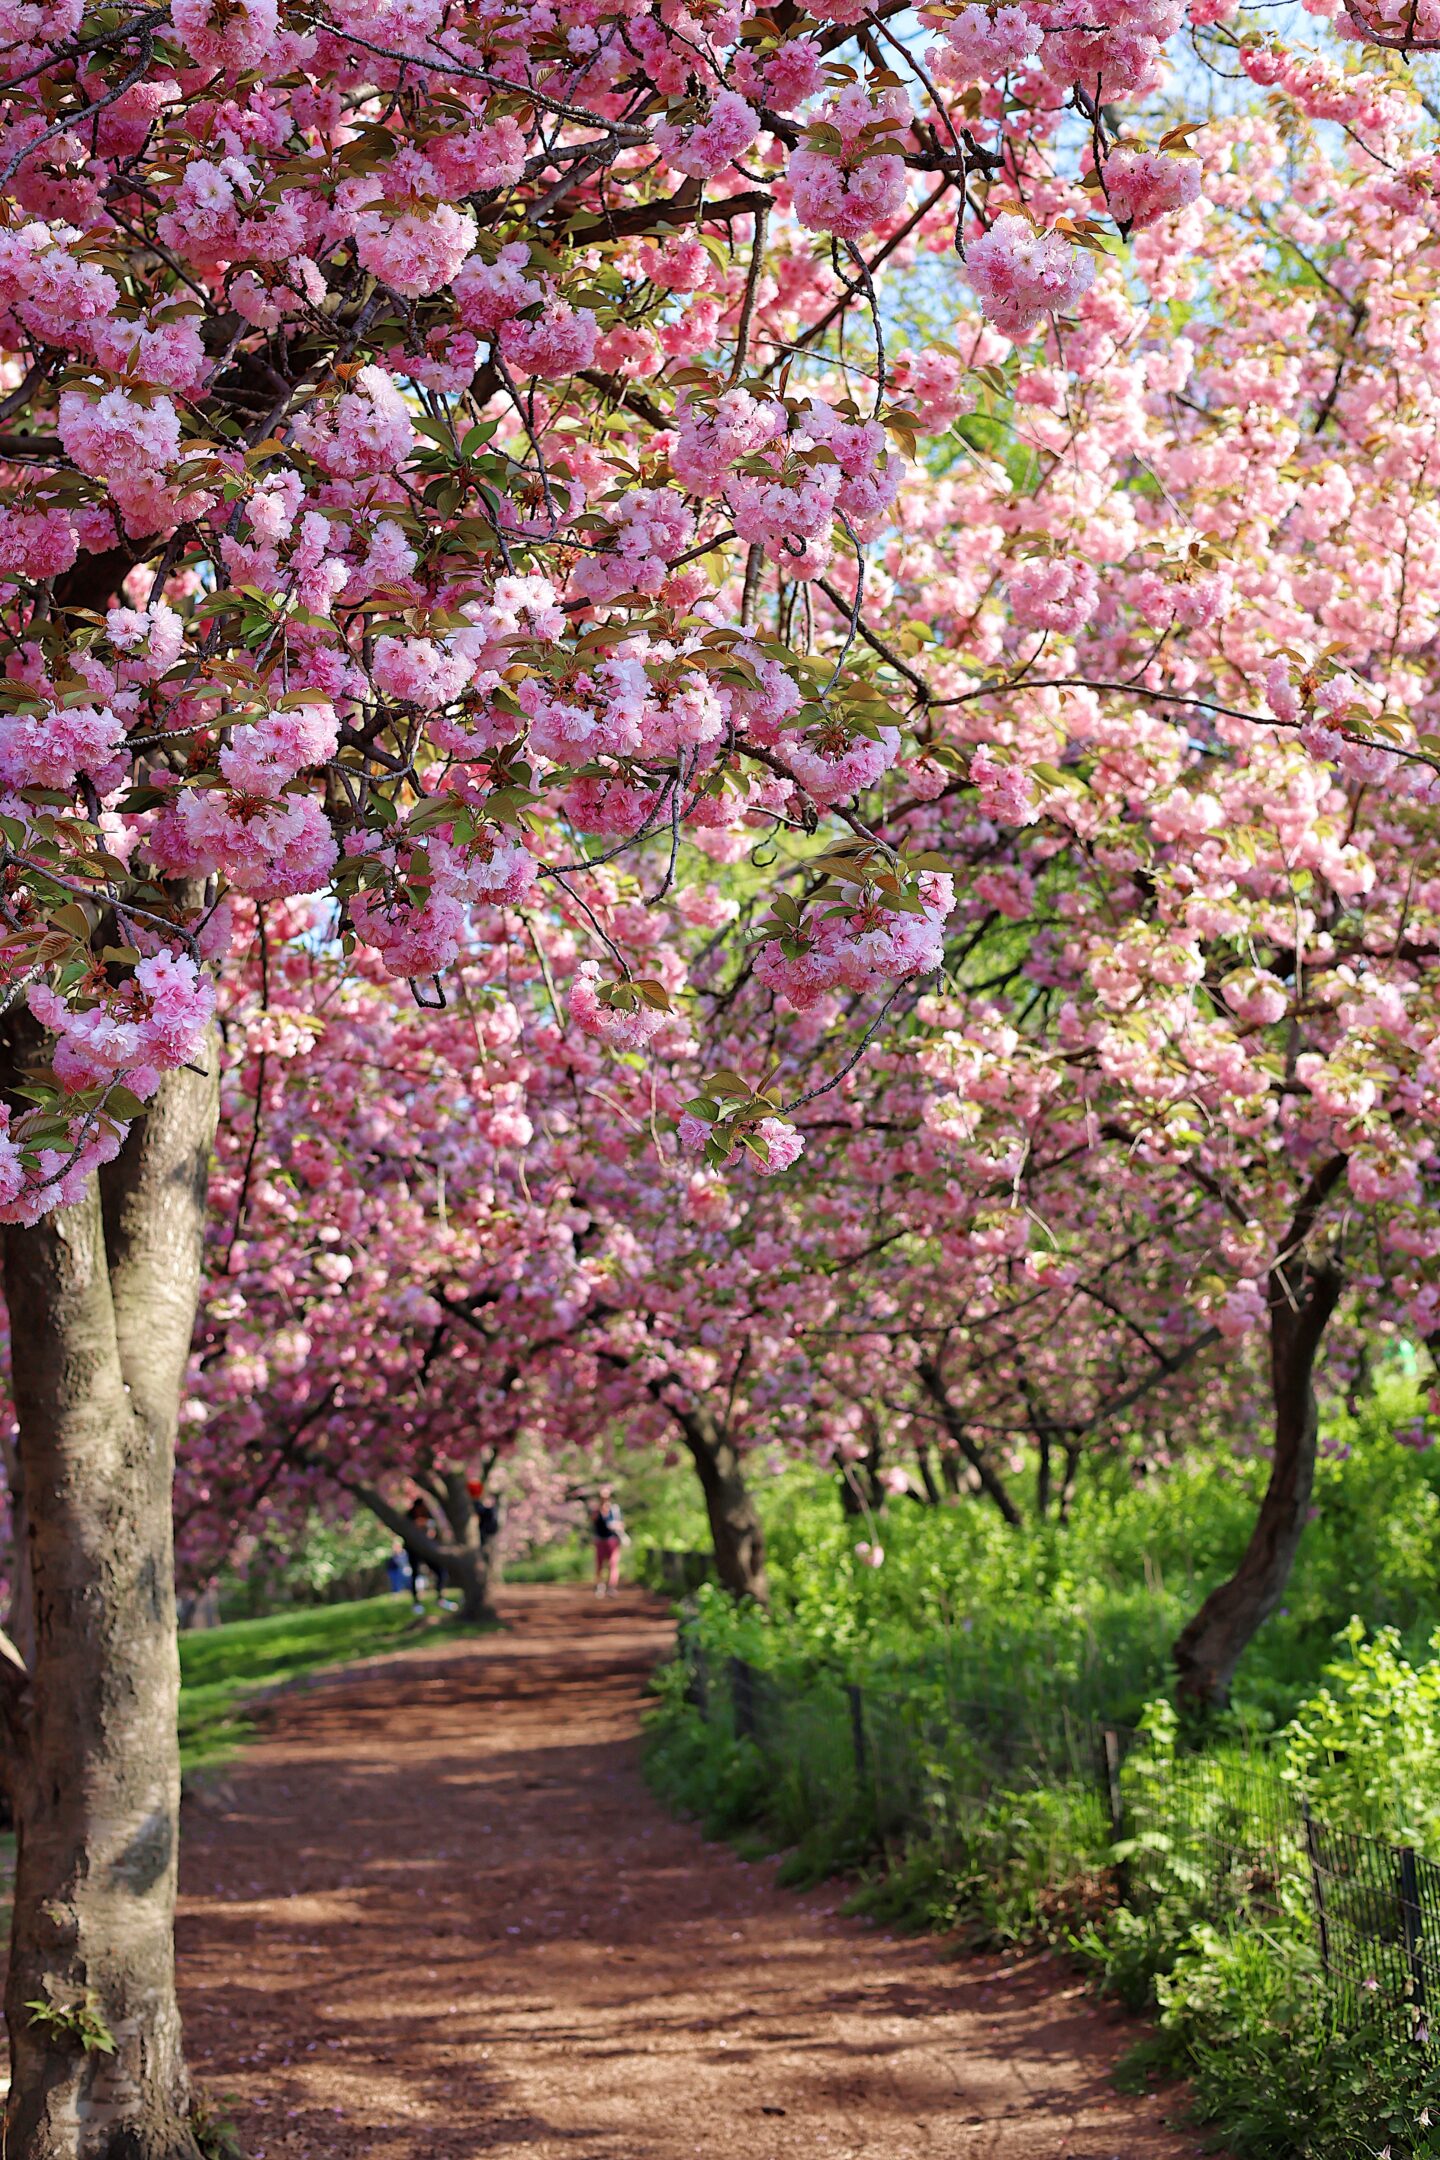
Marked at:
<point>102,1299</point>
<point>1302,1298</point>
<point>456,1547</point>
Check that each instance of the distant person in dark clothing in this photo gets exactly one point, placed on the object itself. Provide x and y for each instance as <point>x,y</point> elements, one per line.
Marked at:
<point>419,1514</point>
<point>487,1512</point>
<point>607,1527</point>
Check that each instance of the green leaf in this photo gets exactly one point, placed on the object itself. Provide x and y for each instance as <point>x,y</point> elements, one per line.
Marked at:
<point>122,1104</point>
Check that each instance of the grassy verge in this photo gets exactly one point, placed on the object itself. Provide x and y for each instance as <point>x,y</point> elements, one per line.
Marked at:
<point>567,1560</point>
<point>223,1668</point>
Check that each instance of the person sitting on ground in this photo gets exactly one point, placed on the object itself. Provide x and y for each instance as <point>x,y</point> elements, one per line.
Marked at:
<point>607,1527</point>
<point>397,1570</point>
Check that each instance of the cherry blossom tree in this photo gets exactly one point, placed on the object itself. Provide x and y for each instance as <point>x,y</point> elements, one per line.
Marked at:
<point>460,475</point>
<point>440,1237</point>
<point>1176,630</point>
<point>382,1199</point>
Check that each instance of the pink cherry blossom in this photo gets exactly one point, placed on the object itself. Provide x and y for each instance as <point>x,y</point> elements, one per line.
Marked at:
<point>1020,275</point>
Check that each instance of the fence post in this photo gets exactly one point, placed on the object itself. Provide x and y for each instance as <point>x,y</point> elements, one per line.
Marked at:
<point>1410,1923</point>
<point>1115,1804</point>
<point>1317,1885</point>
<point>857,1731</point>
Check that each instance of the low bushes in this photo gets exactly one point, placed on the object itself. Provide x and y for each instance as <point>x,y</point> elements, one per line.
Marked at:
<point>1282,1953</point>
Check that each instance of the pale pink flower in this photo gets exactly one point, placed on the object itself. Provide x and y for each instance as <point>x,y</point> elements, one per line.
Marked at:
<point>783,1145</point>
<point>1143,185</point>
<point>1020,275</point>
<point>415,252</point>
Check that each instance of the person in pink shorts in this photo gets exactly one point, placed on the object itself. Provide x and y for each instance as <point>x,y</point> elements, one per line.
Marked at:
<point>607,1527</point>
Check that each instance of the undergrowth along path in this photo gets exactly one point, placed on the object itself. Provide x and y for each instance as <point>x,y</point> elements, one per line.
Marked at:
<point>433,1912</point>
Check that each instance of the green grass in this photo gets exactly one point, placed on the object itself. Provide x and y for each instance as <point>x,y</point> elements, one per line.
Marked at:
<point>566,1560</point>
<point>222,1668</point>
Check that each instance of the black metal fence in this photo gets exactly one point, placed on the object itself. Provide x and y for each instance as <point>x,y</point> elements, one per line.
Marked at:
<point>1050,1811</point>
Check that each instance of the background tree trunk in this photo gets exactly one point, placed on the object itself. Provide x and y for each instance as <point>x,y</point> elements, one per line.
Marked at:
<point>860,1488</point>
<point>456,1549</point>
<point>933,1494</point>
<point>932,1380</point>
<point>1211,1646</point>
<point>1042,1472</point>
<point>1073,1451</point>
<point>735,1532</point>
<point>102,1299</point>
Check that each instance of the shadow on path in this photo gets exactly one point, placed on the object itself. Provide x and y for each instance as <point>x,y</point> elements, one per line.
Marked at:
<point>434,1912</point>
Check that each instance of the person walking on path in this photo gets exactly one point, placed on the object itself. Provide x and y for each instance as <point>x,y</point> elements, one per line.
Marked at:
<point>607,1527</point>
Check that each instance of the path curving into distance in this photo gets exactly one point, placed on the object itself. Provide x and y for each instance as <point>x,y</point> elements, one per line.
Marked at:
<point>434,1913</point>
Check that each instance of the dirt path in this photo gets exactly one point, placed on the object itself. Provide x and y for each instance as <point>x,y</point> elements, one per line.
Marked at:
<point>435,1913</point>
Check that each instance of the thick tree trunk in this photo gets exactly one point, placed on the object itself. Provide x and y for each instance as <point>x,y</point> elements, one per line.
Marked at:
<point>493,1553</point>
<point>735,1532</point>
<point>467,1572</point>
<point>468,1564</point>
<point>102,1299</point>
<point>1211,1646</point>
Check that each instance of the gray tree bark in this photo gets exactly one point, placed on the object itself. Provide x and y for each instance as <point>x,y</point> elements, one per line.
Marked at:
<point>735,1530</point>
<point>1301,1297</point>
<point>102,1299</point>
<point>457,1548</point>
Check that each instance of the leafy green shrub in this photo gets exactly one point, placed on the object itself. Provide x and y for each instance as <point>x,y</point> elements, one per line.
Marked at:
<point>1365,1748</point>
<point>698,1767</point>
<point>1091,1610</point>
<point>985,1662</point>
<point>327,1562</point>
<point>568,1559</point>
<point>1268,2063</point>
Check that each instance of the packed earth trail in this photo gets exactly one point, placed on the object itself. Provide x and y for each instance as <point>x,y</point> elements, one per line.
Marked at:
<point>434,1911</point>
